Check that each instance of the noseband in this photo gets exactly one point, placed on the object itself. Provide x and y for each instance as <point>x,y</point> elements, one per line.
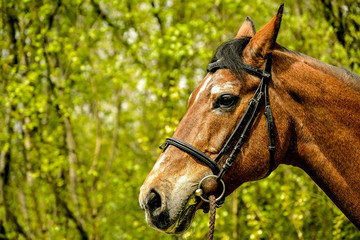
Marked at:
<point>241,131</point>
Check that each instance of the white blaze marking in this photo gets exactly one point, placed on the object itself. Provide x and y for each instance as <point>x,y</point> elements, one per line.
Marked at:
<point>190,96</point>
<point>155,171</point>
<point>157,165</point>
<point>204,86</point>
<point>223,88</point>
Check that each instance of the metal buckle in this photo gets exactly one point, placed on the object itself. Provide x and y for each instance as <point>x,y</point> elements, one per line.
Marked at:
<point>199,191</point>
<point>163,146</point>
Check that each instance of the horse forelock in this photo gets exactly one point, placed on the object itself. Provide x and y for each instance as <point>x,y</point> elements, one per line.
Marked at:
<point>230,53</point>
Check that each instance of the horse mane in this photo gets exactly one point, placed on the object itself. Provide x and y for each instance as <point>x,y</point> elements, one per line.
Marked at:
<point>231,51</point>
<point>343,74</point>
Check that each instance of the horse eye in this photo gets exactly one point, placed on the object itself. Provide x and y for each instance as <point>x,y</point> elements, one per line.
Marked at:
<point>225,101</point>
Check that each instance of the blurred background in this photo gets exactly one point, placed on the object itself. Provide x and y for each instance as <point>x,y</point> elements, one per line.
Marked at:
<point>90,88</point>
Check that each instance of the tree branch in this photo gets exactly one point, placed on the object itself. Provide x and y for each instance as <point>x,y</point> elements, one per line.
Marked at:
<point>78,221</point>
<point>102,15</point>
<point>52,16</point>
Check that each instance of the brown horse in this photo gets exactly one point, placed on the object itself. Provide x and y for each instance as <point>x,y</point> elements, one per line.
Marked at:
<point>315,108</point>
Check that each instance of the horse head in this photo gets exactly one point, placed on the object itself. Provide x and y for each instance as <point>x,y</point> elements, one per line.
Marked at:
<point>229,130</point>
<point>215,108</point>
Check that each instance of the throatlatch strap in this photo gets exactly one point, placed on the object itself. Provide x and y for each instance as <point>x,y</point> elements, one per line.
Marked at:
<point>269,121</point>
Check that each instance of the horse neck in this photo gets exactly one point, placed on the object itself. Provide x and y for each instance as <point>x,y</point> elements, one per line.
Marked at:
<point>324,105</point>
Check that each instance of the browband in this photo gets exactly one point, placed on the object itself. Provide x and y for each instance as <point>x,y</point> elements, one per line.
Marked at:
<point>212,67</point>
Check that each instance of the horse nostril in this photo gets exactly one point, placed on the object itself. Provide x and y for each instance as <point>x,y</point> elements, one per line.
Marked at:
<point>153,200</point>
<point>157,215</point>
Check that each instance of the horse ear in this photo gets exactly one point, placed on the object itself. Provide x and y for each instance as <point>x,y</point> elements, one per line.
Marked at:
<point>264,40</point>
<point>247,29</point>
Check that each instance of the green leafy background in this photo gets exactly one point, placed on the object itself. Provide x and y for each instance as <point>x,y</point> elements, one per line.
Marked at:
<point>90,88</point>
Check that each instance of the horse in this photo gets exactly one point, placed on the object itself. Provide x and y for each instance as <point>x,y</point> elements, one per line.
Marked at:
<point>260,105</point>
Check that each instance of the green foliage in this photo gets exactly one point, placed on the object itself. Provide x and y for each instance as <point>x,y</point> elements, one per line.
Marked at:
<point>90,88</point>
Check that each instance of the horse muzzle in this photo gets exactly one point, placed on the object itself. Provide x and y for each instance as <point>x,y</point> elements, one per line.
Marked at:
<point>155,209</point>
<point>160,216</point>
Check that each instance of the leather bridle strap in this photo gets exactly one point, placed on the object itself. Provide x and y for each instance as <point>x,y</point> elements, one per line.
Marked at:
<point>193,152</point>
<point>251,111</point>
<point>269,121</point>
<point>212,67</point>
<point>243,128</point>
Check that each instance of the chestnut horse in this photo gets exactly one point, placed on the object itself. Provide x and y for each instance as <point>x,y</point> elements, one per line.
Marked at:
<point>316,127</point>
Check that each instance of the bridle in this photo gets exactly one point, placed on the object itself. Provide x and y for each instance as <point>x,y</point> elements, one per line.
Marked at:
<point>241,131</point>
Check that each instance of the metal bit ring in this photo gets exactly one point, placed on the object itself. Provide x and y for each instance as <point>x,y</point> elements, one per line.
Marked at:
<point>207,200</point>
